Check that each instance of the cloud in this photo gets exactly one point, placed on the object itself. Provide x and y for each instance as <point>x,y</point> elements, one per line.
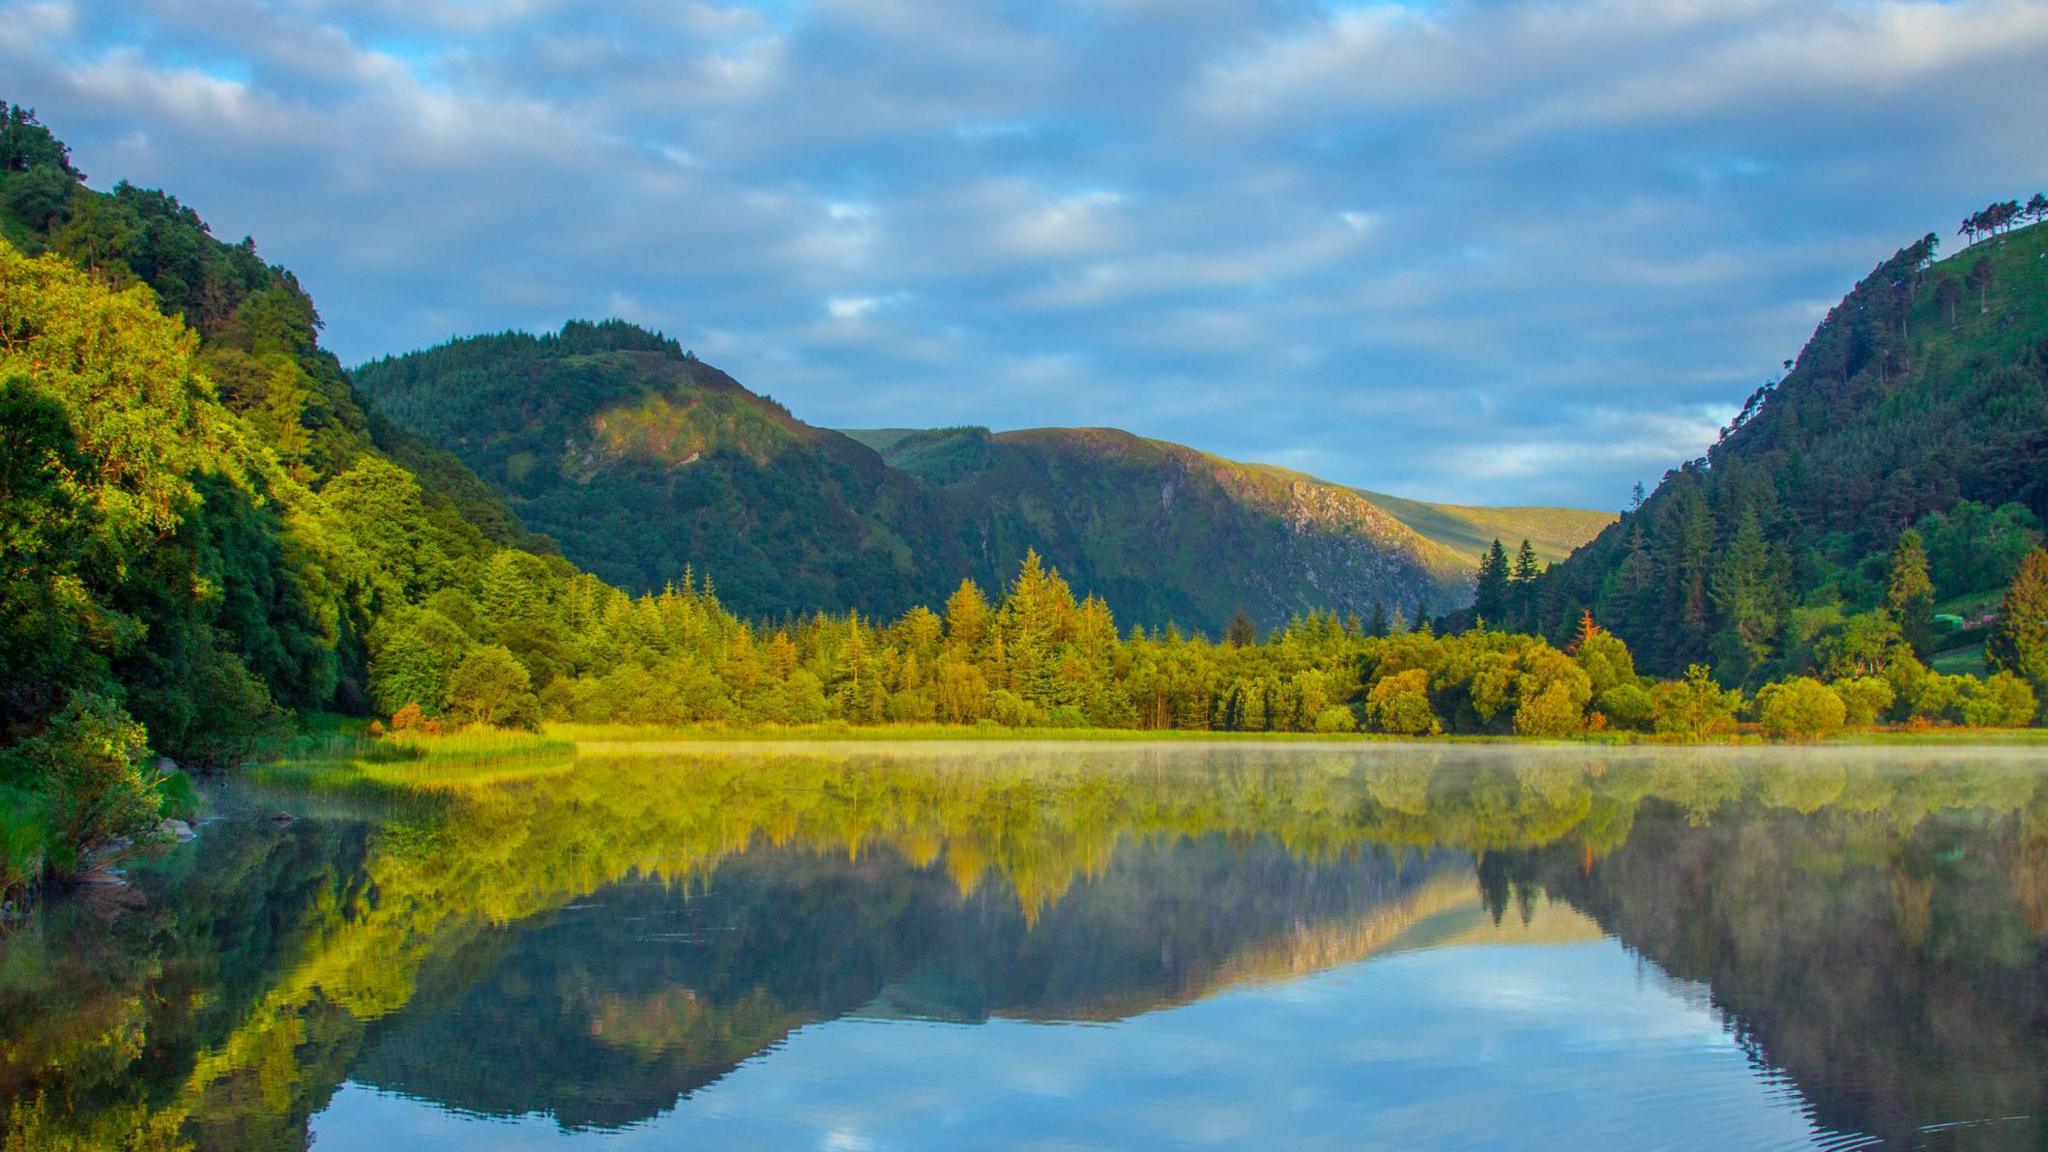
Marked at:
<point>1463,250</point>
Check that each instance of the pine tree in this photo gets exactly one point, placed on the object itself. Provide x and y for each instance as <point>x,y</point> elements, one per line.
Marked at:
<point>1490,589</point>
<point>1909,593</point>
<point>2019,641</point>
<point>1523,588</point>
<point>1379,622</point>
<point>1746,596</point>
<point>1242,633</point>
<point>1422,614</point>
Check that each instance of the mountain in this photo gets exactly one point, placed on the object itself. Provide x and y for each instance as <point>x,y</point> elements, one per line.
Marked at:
<point>1921,403</point>
<point>645,462</point>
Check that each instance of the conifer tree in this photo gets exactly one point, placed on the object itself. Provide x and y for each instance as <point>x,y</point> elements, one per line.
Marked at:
<point>1490,589</point>
<point>2019,641</point>
<point>1909,593</point>
<point>1523,588</point>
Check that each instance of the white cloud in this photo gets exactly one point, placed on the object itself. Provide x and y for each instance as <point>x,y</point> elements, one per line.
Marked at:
<point>1442,247</point>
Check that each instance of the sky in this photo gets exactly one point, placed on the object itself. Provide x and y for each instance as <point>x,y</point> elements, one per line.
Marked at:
<point>1473,251</point>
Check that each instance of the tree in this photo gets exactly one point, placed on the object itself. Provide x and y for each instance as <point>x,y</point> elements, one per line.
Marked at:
<point>1745,592</point>
<point>491,687</point>
<point>1523,588</point>
<point>1490,588</point>
<point>1947,294</point>
<point>1801,708</point>
<point>1242,633</point>
<point>2037,208</point>
<point>1909,593</point>
<point>1981,275</point>
<point>1399,704</point>
<point>2019,641</point>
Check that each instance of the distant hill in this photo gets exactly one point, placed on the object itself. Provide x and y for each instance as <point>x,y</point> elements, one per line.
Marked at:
<point>642,461</point>
<point>1921,401</point>
<point>1443,539</point>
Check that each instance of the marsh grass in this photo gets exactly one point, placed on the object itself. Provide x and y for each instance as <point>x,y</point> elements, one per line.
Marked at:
<point>349,758</point>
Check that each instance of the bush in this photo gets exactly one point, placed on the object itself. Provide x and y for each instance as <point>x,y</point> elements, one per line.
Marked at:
<point>2003,701</point>
<point>1626,706</point>
<point>1336,718</point>
<point>1801,708</point>
<point>1400,704</point>
<point>1865,697</point>
<point>89,765</point>
<point>1695,707</point>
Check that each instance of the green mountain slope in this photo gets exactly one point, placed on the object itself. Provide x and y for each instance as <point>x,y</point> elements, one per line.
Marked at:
<point>1452,536</point>
<point>1921,402</point>
<point>644,463</point>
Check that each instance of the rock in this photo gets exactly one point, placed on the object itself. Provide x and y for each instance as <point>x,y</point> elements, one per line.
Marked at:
<point>281,818</point>
<point>178,829</point>
<point>165,765</point>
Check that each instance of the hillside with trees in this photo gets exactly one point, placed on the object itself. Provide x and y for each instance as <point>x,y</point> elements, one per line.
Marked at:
<point>1896,468</point>
<point>645,464</point>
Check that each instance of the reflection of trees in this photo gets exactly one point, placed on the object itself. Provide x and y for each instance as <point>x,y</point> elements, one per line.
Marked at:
<point>1898,974</point>
<point>948,886</point>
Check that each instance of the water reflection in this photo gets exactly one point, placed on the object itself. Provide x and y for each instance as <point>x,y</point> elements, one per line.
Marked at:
<point>653,938</point>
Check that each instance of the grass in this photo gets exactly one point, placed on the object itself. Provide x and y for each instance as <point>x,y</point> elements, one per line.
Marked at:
<point>1962,662</point>
<point>345,756</point>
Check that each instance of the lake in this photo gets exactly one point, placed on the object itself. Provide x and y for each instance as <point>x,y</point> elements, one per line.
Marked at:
<point>958,946</point>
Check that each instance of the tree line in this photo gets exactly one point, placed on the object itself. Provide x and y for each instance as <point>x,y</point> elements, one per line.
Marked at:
<point>2002,216</point>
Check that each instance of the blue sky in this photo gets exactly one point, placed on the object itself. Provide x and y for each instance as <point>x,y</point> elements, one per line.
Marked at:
<point>1474,251</point>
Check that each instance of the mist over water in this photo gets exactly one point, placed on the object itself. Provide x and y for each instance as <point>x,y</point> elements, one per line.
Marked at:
<point>1090,946</point>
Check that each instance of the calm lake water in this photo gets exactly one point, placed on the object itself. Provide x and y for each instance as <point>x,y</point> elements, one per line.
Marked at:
<point>1106,947</point>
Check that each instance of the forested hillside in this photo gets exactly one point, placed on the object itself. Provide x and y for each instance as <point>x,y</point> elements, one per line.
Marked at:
<point>644,463</point>
<point>204,528</point>
<point>1906,438</point>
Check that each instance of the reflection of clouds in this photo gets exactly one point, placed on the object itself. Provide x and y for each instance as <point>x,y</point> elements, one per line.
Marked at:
<point>1464,1048</point>
<point>1594,214</point>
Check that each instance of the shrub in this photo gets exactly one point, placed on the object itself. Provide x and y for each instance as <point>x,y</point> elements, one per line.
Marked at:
<point>2003,701</point>
<point>1626,706</point>
<point>1695,707</point>
<point>89,763</point>
<point>1400,704</point>
<point>1865,697</point>
<point>1336,718</point>
<point>1801,708</point>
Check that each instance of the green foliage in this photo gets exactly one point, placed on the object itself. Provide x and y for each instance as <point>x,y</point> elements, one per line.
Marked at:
<point>1800,708</point>
<point>2019,641</point>
<point>1695,708</point>
<point>491,687</point>
<point>1909,593</point>
<point>1399,704</point>
<point>1864,698</point>
<point>88,762</point>
<point>1902,410</point>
